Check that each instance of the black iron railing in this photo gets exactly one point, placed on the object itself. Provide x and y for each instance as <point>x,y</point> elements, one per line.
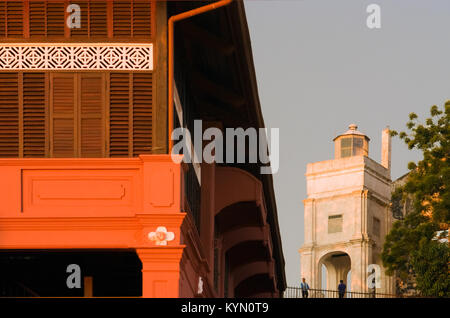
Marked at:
<point>11,288</point>
<point>296,292</point>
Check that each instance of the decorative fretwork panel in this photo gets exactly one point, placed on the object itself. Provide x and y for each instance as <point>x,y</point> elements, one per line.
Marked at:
<point>76,57</point>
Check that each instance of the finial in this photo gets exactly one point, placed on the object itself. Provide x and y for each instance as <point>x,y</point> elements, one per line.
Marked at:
<point>352,126</point>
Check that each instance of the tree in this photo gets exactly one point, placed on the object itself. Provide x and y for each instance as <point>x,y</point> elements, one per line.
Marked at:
<point>428,262</point>
<point>410,241</point>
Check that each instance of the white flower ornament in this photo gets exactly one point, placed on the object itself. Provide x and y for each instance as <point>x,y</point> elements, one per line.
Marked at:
<point>161,236</point>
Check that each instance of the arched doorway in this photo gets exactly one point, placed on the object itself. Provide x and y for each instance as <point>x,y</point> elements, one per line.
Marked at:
<point>334,267</point>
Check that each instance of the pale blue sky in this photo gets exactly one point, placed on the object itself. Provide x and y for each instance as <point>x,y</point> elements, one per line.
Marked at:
<point>319,68</point>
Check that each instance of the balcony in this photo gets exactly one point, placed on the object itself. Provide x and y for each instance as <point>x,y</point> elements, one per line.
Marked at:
<point>88,203</point>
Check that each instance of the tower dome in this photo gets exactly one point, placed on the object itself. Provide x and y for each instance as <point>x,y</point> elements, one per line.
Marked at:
<point>351,143</point>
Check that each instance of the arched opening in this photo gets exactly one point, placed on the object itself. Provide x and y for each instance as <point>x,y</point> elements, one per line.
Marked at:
<point>334,267</point>
<point>255,285</point>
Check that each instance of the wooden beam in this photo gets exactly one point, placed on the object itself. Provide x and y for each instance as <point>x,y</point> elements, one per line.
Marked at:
<point>88,286</point>
<point>202,36</point>
<point>159,137</point>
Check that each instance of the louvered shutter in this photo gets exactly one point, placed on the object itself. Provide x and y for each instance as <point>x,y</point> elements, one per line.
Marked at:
<point>142,113</point>
<point>63,115</point>
<point>119,99</point>
<point>141,18</point>
<point>34,114</point>
<point>37,16</point>
<point>47,18</point>
<point>55,18</point>
<point>83,31</point>
<point>94,19</point>
<point>14,18</point>
<point>130,121</point>
<point>98,18</point>
<point>9,115</point>
<point>3,19</point>
<point>122,18</point>
<point>91,115</point>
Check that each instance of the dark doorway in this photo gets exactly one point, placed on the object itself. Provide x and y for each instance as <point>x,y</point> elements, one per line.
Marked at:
<point>43,273</point>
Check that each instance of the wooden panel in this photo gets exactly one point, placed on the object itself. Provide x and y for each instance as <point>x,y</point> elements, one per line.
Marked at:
<point>34,115</point>
<point>119,114</point>
<point>63,115</point>
<point>80,192</point>
<point>159,142</point>
<point>91,115</point>
<point>142,113</point>
<point>9,115</point>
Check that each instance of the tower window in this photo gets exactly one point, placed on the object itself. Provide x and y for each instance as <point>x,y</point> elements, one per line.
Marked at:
<point>346,147</point>
<point>352,146</point>
<point>358,147</point>
<point>335,223</point>
<point>376,227</point>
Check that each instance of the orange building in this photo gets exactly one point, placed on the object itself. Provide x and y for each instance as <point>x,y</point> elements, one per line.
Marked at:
<point>86,178</point>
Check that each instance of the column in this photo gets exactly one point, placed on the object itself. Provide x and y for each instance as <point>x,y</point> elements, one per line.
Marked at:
<point>160,271</point>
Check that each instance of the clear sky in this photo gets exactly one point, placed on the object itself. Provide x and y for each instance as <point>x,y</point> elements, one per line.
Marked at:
<point>320,68</point>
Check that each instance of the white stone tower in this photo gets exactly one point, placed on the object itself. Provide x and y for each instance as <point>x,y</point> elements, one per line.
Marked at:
<point>346,214</point>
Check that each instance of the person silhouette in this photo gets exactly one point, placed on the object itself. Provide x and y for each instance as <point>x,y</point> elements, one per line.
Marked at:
<point>304,287</point>
<point>341,289</point>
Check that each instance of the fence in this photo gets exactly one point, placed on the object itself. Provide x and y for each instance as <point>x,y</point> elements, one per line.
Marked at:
<point>296,292</point>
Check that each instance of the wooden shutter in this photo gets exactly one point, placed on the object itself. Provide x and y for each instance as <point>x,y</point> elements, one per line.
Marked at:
<point>55,18</point>
<point>11,19</point>
<point>9,115</point>
<point>91,115</point>
<point>98,18</point>
<point>84,29</point>
<point>3,19</point>
<point>130,118</point>
<point>34,114</point>
<point>122,18</point>
<point>94,19</point>
<point>38,14</point>
<point>119,99</point>
<point>63,115</point>
<point>141,18</point>
<point>142,113</point>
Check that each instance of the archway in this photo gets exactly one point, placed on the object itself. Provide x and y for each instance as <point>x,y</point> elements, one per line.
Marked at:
<point>334,267</point>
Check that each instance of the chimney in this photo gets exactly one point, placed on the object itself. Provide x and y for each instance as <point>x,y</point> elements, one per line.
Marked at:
<point>386,149</point>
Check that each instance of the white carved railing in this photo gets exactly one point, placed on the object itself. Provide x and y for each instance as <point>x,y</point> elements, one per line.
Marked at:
<point>76,56</point>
